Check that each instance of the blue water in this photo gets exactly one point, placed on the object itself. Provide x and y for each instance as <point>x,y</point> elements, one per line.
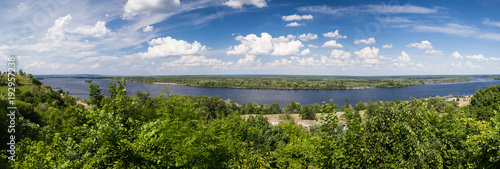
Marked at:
<point>270,96</point>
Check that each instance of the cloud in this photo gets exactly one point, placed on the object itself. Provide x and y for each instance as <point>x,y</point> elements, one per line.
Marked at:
<point>308,37</point>
<point>423,45</point>
<point>332,43</point>
<point>456,64</point>
<point>491,36</point>
<point>400,9</point>
<point>459,30</point>
<point>98,30</point>
<point>456,55</point>
<point>305,52</point>
<point>434,52</point>
<point>478,57</point>
<point>340,54</point>
<point>147,28</point>
<point>368,55</point>
<point>254,45</point>
<point>57,31</point>
<point>396,20</point>
<point>494,59</point>
<point>296,17</point>
<point>335,35</point>
<point>310,61</point>
<point>487,21</point>
<point>96,65</point>
<point>312,46</point>
<point>388,46</point>
<point>294,24</point>
<point>169,46</point>
<point>368,41</point>
<point>238,4</point>
<point>248,60</point>
<point>191,60</point>
<point>450,28</point>
<point>99,59</point>
<point>402,60</point>
<point>361,9</point>
<point>42,65</point>
<point>278,63</point>
<point>405,61</point>
<point>472,66</point>
<point>338,58</point>
<point>147,7</point>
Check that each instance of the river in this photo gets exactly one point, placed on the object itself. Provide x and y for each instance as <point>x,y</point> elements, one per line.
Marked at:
<point>282,96</point>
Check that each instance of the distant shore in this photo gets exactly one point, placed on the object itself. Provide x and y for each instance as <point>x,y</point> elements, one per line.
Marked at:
<point>298,82</point>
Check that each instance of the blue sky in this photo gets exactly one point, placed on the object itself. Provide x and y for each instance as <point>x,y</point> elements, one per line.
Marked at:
<point>290,37</point>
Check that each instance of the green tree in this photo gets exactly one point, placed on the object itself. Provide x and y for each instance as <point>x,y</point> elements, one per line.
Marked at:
<point>360,106</point>
<point>95,95</point>
<point>346,105</point>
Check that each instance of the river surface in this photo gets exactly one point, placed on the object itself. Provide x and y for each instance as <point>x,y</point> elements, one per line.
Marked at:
<point>282,96</point>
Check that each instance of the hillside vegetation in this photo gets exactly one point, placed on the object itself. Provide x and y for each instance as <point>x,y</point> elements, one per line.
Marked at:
<point>171,131</point>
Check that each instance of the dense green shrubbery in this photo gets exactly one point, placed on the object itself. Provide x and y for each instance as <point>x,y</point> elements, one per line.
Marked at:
<point>207,132</point>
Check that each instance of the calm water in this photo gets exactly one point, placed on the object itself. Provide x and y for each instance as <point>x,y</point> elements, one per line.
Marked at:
<point>270,96</point>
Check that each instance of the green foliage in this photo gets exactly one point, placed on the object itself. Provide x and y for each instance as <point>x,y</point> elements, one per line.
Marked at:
<point>95,95</point>
<point>485,102</point>
<point>360,106</point>
<point>208,132</point>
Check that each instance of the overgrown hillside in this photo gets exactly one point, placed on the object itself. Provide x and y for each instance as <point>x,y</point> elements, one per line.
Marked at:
<point>171,131</point>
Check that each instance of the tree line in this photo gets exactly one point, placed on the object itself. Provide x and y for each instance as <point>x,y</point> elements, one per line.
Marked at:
<point>297,82</point>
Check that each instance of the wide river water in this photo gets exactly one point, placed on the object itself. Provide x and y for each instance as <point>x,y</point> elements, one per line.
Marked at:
<point>270,96</point>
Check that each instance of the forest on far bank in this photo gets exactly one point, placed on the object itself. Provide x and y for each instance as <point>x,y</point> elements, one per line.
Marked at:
<point>301,82</point>
<point>171,131</point>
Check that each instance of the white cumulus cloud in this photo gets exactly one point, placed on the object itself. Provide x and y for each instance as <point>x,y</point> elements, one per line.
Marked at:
<point>169,46</point>
<point>478,57</point>
<point>472,66</point>
<point>494,59</point>
<point>296,17</point>
<point>434,52</point>
<point>332,43</point>
<point>294,24</point>
<point>98,30</point>
<point>340,54</point>
<point>57,31</point>
<point>238,4</point>
<point>369,55</point>
<point>305,52</point>
<point>147,7</point>
<point>365,41</point>
<point>312,46</point>
<point>423,45</point>
<point>147,28</point>
<point>388,46</point>
<point>456,55</point>
<point>308,37</point>
<point>335,35</point>
<point>265,45</point>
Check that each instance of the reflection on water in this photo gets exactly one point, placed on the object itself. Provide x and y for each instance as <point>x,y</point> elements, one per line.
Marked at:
<point>270,96</point>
